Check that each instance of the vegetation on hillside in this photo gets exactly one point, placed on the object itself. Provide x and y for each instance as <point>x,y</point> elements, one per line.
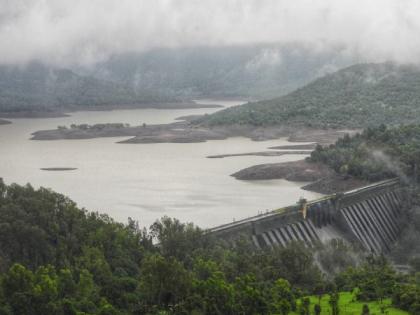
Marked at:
<point>358,96</point>
<point>375,154</point>
<point>58,259</point>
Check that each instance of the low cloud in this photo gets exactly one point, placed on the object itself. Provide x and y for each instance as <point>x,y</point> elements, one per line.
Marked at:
<point>84,32</point>
<point>390,164</point>
<point>267,57</point>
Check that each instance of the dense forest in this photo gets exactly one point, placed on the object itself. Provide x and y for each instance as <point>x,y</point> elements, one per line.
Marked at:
<point>58,259</point>
<point>37,87</point>
<point>375,154</point>
<point>358,96</point>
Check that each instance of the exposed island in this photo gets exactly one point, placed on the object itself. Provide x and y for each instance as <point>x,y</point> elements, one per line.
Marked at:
<point>4,122</point>
<point>298,171</point>
<point>323,179</point>
<point>186,132</point>
<point>58,169</point>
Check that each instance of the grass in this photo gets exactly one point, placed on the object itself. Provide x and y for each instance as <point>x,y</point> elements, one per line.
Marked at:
<point>349,306</point>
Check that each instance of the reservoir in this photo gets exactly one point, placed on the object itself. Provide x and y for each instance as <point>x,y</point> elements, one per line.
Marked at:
<point>146,181</point>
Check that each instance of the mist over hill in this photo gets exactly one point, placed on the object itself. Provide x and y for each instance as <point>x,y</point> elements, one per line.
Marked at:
<point>358,96</point>
<point>167,75</point>
<point>38,87</point>
<point>247,71</point>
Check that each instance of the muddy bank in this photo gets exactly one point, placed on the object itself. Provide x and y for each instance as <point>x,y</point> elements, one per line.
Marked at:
<point>176,136</point>
<point>4,122</point>
<point>298,171</point>
<point>324,180</point>
<point>311,147</point>
<point>263,153</point>
<point>335,183</point>
<point>86,132</point>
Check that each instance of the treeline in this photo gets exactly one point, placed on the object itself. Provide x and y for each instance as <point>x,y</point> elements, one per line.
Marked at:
<point>58,259</point>
<point>375,154</point>
<point>355,97</point>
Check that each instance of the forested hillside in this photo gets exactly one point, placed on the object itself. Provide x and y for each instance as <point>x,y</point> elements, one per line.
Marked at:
<point>358,96</point>
<point>58,259</point>
<point>37,87</point>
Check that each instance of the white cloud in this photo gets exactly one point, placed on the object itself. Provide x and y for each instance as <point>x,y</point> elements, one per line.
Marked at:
<point>267,57</point>
<point>84,31</point>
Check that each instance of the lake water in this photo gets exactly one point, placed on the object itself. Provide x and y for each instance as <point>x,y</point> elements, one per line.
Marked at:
<point>146,181</point>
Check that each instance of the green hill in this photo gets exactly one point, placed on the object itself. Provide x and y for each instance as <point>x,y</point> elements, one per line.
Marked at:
<point>358,96</point>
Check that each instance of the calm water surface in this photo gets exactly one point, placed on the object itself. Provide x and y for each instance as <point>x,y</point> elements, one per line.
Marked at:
<point>145,181</point>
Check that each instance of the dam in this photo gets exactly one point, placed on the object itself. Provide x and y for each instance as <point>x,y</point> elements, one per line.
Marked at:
<point>369,216</point>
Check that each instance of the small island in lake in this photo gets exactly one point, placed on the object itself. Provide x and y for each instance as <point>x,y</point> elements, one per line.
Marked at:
<point>185,131</point>
<point>56,169</point>
<point>4,122</point>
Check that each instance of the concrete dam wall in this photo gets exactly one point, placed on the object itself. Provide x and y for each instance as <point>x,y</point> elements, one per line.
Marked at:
<point>369,216</point>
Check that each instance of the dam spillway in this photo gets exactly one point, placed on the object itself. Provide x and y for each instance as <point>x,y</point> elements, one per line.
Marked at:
<point>369,216</point>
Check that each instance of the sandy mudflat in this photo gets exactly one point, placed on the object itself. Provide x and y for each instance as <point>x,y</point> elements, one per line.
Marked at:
<point>263,153</point>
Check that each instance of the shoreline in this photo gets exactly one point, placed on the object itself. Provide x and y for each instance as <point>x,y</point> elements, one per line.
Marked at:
<point>65,111</point>
<point>262,153</point>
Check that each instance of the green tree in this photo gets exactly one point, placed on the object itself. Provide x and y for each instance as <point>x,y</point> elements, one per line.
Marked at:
<point>365,309</point>
<point>18,286</point>
<point>163,281</point>
<point>250,296</point>
<point>305,306</point>
<point>334,303</point>
<point>283,300</point>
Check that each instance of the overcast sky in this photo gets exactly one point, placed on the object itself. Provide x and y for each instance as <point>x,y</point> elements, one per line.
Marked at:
<point>85,31</point>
